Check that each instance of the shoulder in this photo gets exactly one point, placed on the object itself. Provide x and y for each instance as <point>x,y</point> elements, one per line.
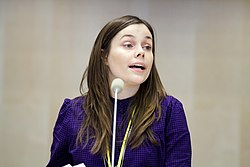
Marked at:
<point>74,102</point>
<point>174,115</point>
<point>173,111</point>
<point>71,113</point>
<point>171,103</point>
<point>72,106</point>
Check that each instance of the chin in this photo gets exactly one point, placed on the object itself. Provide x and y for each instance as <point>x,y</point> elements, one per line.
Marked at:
<point>138,81</point>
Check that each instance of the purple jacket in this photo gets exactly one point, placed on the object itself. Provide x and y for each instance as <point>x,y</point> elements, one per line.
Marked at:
<point>171,132</point>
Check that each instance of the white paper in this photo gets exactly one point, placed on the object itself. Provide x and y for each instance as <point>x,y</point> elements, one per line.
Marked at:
<point>79,165</point>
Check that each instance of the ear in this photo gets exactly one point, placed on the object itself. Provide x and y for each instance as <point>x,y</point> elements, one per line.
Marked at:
<point>104,57</point>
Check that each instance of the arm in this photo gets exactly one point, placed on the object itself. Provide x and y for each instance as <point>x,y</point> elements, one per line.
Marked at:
<point>59,148</point>
<point>178,140</point>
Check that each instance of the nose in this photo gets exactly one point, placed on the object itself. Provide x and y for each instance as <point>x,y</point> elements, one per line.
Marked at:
<point>140,52</point>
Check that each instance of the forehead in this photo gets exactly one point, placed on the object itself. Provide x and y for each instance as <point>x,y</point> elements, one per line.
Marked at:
<point>136,30</point>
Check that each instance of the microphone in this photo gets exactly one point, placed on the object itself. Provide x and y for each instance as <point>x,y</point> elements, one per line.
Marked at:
<point>116,86</point>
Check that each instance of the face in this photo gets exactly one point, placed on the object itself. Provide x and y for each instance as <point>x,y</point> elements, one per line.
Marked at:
<point>131,57</point>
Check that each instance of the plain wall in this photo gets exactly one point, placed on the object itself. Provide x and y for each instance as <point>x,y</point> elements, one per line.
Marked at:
<point>202,55</point>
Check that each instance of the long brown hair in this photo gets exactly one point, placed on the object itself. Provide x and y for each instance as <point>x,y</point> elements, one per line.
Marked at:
<point>98,108</point>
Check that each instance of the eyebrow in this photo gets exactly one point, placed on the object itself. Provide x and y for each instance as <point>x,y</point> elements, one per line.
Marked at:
<point>130,35</point>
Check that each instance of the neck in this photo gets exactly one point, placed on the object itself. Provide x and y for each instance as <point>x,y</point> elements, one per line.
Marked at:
<point>128,91</point>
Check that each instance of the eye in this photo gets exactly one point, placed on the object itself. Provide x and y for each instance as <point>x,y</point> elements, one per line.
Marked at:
<point>127,45</point>
<point>147,47</point>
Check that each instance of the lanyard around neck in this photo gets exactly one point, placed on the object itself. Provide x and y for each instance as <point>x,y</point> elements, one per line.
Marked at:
<point>124,144</point>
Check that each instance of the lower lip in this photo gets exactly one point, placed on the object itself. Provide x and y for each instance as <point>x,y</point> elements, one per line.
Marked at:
<point>138,70</point>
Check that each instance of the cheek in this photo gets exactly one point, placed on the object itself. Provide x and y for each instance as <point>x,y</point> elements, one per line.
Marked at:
<point>117,59</point>
<point>114,63</point>
<point>112,57</point>
<point>150,61</point>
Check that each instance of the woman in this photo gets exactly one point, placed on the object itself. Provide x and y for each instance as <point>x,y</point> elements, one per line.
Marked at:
<point>159,135</point>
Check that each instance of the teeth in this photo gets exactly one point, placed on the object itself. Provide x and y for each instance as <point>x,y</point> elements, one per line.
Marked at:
<point>137,66</point>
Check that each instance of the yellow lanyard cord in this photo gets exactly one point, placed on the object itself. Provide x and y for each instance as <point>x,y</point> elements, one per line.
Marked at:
<point>124,143</point>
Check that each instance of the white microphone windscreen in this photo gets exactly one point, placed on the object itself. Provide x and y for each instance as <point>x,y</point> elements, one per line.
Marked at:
<point>117,84</point>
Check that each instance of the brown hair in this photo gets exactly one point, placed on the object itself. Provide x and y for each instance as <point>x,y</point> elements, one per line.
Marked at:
<point>98,108</point>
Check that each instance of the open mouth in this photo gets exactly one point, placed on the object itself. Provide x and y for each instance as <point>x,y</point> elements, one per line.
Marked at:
<point>137,66</point>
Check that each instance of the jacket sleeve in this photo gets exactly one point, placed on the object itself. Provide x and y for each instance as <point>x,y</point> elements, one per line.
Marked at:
<point>179,152</point>
<point>59,148</point>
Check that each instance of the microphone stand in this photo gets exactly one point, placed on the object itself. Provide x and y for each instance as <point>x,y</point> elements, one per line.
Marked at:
<point>114,130</point>
<point>116,86</point>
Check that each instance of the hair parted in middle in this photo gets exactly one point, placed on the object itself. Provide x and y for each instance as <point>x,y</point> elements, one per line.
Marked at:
<point>97,125</point>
